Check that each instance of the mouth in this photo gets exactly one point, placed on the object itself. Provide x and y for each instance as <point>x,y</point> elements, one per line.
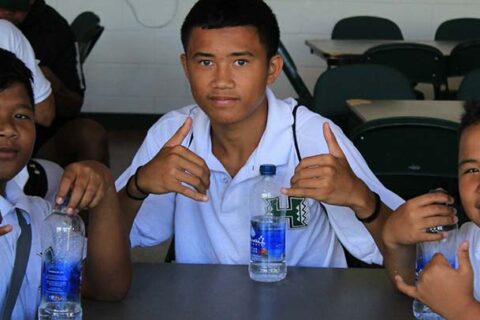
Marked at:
<point>7,153</point>
<point>223,100</point>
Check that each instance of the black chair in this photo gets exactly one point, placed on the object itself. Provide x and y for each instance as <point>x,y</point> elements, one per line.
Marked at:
<point>411,155</point>
<point>87,29</point>
<point>418,62</point>
<point>366,27</point>
<point>464,58</point>
<point>470,86</point>
<point>304,96</point>
<point>460,29</point>
<point>357,81</point>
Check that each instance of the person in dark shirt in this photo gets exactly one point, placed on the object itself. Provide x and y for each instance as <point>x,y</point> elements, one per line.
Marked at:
<point>69,138</point>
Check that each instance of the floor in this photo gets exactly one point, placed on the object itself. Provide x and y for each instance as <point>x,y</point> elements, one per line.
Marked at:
<point>123,143</point>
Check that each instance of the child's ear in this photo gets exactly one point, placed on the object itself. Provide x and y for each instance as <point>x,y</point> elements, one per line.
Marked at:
<point>275,66</point>
<point>183,61</point>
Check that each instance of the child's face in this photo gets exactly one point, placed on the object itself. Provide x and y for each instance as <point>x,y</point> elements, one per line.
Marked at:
<point>469,172</point>
<point>17,130</point>
<point>228,71</point>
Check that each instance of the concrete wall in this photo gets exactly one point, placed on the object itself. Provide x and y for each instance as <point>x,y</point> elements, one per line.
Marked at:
<point>135,67</point>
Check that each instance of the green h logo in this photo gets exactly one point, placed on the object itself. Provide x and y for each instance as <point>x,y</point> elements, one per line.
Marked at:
<point>296,212</point>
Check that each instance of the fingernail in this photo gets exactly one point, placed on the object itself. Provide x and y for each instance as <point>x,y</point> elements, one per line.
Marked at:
<point>283,190</point>
<point>455,219</point>
<point>205,198</point>
<point>70,211</point>
<point>59,200</point>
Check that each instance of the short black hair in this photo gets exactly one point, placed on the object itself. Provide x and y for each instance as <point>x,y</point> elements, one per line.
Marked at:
<point>217,14</point>
<point>471,116</point>
<point>14,70</point>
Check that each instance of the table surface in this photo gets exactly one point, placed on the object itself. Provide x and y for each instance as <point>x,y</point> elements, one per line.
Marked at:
<point>181,291</point>
<point>367,110</point>
<point>334,49</point>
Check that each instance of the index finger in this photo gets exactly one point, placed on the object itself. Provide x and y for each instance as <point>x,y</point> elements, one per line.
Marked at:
<point>332,144</point>
<point>180,134</point>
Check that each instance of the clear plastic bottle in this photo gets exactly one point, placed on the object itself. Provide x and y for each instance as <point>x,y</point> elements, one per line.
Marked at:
<point>268,229</point>
<point>62,238</point>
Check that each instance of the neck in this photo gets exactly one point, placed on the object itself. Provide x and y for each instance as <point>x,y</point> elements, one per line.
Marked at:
<point>233,144</point>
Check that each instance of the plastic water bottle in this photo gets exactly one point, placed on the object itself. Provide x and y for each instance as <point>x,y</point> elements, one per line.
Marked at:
<point>268,229</point>
<point>425,252</point>
<point>62,238</point>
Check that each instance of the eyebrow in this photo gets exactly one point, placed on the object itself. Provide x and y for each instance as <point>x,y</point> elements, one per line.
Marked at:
<point>466,161</point>
<point>233,54</point>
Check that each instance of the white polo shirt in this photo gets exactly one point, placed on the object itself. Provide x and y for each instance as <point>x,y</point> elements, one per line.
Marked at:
<point>12,39</point>
<point>471,232</point>
<point>218,231</point>
<point>29,296</point>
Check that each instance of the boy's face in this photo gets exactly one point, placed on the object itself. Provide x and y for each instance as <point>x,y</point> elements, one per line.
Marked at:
<point>17,130</point>
<point>469,172</point>
<point>228,71</point>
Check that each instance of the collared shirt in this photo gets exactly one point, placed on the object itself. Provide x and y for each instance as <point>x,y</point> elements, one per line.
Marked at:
<point>218,231</point>
<point>34,210</point>
<point>13,40</point>
<point>471,232</point>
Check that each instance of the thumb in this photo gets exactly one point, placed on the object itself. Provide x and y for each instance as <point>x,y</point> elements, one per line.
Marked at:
<point>332,143</point>
<point>405,288</point>
<point>464,265</point>
<point>181,134</point>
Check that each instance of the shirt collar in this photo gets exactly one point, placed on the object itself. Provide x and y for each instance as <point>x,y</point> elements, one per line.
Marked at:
<point>14,198</point>
<point>274,146</point>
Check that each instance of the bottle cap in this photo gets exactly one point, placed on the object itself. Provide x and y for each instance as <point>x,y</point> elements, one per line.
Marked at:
<point>268,169</point>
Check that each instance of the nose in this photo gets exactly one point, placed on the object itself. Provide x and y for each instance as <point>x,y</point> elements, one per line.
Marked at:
<point>223,77</point>
<point>7,130</point>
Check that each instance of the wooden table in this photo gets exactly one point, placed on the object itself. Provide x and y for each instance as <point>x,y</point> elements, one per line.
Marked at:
<point>182,291</point>
<point>335,50</point>
<point>367,110</point>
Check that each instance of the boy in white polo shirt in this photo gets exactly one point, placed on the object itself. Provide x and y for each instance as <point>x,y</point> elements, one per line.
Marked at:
<point>193,173</point>
<point>90,185</point>
<point>452,293</point>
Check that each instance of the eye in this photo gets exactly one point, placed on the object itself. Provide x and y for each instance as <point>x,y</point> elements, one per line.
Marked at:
<point>241,62</point>
<point>471,170</point>
<point>22,116</point>
<point>205,63</point>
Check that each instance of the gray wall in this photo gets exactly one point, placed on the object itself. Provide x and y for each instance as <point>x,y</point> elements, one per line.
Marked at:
<point>135,68</point>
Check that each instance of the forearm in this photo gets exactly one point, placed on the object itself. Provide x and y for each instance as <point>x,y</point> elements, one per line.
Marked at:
<point>107,273</point>
<point>469,310</point>
<point>129,205</point>
<point>45,111</point>
<point>401,261</point>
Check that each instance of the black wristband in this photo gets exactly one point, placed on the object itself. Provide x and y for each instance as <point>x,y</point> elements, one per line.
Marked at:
<point>131,196</point>
<point>136,183</point>
<point>375,213</point>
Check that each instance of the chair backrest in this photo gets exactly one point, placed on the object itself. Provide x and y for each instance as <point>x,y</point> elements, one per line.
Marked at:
<point>412,155</point>
<point>464,58</point>
<point>362,81</point>
<point>460,29</point>
<point>470,86</point>
<point>304,96</point>
<point>366,27</point>
<point>418,62</point>
<point>87,29</point>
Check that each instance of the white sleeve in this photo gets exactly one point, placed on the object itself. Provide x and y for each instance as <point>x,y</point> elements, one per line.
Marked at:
<point>154,221</point>
<point>14,41</point>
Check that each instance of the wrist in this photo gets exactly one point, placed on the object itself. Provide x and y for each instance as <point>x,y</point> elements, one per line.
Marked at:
<point>364,202</point>
<point>468,311</point>
<point>132,188</point>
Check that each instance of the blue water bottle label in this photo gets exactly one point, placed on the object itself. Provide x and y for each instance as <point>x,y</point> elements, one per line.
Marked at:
<point>61,281</point>
<point>267,240</point>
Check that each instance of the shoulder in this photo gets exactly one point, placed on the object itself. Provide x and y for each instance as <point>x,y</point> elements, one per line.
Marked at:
<point>169,123</point>
<point>469,231</point>
<point>10,34</point>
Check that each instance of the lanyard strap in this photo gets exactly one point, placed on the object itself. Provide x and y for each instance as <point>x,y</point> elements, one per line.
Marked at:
<point>22,253</point>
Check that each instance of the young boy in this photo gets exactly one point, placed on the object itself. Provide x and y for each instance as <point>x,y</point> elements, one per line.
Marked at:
<point>450,292</point>
<point>193,174</point>
<point>90,185</point>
